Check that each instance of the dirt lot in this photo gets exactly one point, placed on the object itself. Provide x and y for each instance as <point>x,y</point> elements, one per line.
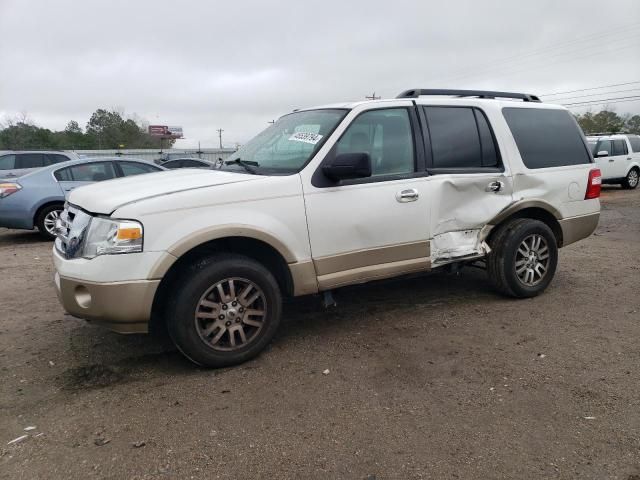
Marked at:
<point>433,377</point>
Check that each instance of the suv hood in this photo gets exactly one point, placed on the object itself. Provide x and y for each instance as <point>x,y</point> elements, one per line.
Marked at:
<point>107,196</point>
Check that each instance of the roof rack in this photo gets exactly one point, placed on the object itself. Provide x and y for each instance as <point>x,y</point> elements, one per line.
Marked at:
<point>417,92</point>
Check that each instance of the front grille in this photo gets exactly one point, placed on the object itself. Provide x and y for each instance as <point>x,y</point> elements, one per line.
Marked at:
<point>71,229</point>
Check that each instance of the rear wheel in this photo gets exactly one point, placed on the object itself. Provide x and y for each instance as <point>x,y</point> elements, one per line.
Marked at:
<point>631,180</point>
<point>46,220</point>
<point>225,311</point>
<point>523,259</point>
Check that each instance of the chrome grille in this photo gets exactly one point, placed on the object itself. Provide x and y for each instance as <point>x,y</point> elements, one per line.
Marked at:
<point>71,228</point>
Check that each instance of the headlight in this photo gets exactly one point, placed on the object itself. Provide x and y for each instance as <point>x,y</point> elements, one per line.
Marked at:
<point>106,236</point>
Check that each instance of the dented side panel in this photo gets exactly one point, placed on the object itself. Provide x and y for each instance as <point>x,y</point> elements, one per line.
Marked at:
<point>461,207</point>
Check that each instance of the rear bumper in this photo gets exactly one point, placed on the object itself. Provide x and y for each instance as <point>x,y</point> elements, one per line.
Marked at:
<point>124,307</point>
<point>15,218</point>
<point>577,228</point>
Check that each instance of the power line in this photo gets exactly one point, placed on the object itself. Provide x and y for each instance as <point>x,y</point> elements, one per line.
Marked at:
<point>603,101</point>
<point>562,44</point>
<point>490,65</point>
<point>545,61</point>
<point>594,95</point>
<point>587,89</point>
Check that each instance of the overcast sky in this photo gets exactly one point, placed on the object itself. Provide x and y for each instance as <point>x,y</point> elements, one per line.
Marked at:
<point>236,65</point>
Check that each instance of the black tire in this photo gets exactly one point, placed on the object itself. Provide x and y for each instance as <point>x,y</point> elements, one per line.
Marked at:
<point>44,216</point>
<point>632,179</point>
<point>186,331</point>
<point>501,262</point>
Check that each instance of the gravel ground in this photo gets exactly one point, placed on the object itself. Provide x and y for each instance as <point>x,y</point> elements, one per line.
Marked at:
<point>430,377</point>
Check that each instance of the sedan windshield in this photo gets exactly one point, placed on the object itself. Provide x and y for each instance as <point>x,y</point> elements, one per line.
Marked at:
<point>287,145</point>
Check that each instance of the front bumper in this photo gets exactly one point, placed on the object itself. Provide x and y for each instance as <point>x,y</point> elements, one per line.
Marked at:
<point>124,307</point>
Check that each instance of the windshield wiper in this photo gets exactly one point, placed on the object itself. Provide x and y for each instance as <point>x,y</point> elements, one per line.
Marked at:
<point>246,164</point>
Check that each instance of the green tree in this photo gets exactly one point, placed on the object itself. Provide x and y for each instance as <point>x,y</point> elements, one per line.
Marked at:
<point>107,129</point>
<point>633,124</point>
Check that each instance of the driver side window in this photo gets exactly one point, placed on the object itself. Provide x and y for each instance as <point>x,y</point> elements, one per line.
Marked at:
<point>604,145</point>
<point>386,136</point>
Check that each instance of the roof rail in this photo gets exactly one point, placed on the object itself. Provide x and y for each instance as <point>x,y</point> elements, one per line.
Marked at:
<point>416,92</point>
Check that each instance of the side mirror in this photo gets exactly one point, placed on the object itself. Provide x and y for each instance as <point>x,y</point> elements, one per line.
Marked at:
<point>602,153</point>
<point>347,166</point>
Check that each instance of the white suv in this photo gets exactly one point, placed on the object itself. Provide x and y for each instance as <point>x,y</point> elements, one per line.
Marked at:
<point>327,197</point>
<point>618,156</point>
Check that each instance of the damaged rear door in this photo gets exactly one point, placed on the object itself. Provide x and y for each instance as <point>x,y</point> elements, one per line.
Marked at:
<point>469,184</point>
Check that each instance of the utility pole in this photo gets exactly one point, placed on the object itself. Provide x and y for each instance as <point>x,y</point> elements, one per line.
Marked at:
<point>372,97</point>
<point>220,136</point>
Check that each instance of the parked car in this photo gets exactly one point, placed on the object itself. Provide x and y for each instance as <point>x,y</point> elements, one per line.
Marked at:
<point>17,163</point>
<point>188,163</point>
<point>327,197</point>
<point>618,156</point>
<point>37,198</point>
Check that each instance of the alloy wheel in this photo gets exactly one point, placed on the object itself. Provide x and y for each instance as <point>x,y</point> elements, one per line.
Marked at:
<point>532,260</point>
<point>50,221</point>
<point>231,314</point>
<point>632,178</point>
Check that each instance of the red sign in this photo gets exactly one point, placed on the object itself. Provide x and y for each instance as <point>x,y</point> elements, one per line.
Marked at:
<point>165,132</point>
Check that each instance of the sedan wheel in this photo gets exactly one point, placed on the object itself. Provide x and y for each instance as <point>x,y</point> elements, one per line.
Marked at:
<point>50,221</point>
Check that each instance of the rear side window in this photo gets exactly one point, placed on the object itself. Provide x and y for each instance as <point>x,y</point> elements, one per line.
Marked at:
<point>29,160</point>
<point>460,137</point>
<point>132,168</point>
<point>7,162</point>
<point>63,175</point>
<point>87,172</point>
<point>55,158</point>
<point>173,164</point>
<point>619,147</point>
<point>546,138</point>
<point>192,164</point>
<point>633,140</point>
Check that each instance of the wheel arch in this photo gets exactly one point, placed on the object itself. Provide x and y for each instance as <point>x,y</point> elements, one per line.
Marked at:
<point>250,246</point>
<point>47,203</point>
<point>633,166</point>
<point>534,209</point>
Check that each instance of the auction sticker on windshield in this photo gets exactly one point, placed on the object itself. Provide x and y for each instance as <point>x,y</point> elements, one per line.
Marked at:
<point>305,137</point>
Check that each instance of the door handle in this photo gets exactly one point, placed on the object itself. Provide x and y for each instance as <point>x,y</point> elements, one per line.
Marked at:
<point>410,195</point>
<point>494,187</point>
<point>629,158</point>
<point>611,160</point>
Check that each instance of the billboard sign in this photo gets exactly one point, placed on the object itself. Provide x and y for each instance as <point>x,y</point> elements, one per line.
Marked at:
<point>164,131</point>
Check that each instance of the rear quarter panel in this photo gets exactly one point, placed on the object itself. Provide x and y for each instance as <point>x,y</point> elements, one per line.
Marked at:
<point>562,187</point>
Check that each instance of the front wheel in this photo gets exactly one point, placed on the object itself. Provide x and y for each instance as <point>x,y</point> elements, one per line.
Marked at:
<point>631,180</point>
<point>523,259</point>
<point>225,310</point>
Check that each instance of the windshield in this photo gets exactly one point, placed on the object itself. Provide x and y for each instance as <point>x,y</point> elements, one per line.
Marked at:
<point>287,145</point>
<point>592,145</point>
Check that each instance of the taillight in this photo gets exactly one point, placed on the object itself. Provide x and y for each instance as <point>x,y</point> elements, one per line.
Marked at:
<point>7,189</point>
<point>594,184</point>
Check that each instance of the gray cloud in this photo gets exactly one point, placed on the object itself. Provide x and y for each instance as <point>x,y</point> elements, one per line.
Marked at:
<point>206,65</point>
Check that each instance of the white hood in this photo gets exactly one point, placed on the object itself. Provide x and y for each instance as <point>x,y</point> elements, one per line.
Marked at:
<point>105,197</point>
